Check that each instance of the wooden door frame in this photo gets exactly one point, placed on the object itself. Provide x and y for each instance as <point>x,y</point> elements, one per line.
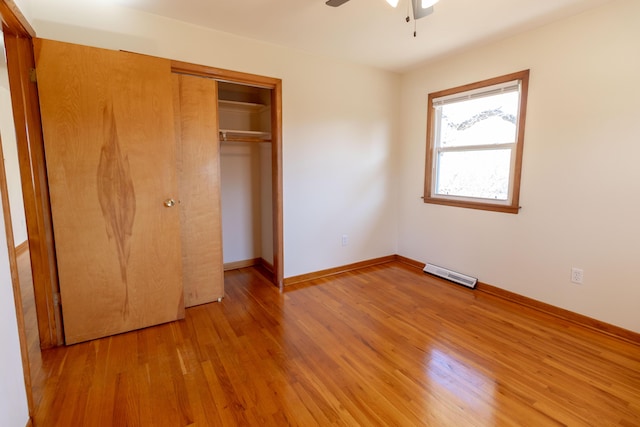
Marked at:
<point>18,35</point>
<point>276,145</point>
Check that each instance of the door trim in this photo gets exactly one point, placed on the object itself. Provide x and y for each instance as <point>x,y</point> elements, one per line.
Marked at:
<point>276,145</point>
<point>18,34</point>
<point>35,190</point>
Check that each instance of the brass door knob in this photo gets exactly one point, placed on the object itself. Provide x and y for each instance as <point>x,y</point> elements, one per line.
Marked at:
<point>169,203</point>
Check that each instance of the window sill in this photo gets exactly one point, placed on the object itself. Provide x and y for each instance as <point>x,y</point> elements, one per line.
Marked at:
<point>473,205</point>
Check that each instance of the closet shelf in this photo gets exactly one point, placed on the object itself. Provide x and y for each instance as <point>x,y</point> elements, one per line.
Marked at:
<point>236,135</point>
<point>240,106</point>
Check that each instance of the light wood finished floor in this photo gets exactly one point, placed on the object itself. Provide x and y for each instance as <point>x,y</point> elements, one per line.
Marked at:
<point>385,345</point>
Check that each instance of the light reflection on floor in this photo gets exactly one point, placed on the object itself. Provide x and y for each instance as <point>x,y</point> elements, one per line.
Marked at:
<point>459,385</point>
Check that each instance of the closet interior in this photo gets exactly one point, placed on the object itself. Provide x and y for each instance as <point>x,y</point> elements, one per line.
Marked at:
<point>244,114</point>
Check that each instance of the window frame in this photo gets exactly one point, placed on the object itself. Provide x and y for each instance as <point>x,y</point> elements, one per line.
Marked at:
<point>510,206</point>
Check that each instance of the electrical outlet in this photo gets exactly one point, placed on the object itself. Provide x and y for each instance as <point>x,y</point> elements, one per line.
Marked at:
<point>577,275</point>
<point>345,239</point>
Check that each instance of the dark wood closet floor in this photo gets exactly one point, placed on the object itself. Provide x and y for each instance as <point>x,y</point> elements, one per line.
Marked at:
<point>386,345</point>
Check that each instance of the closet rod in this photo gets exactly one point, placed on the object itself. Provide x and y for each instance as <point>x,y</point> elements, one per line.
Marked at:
<point>244,136</point>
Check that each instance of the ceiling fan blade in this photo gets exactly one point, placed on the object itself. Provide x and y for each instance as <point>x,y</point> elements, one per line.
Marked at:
<point>336,3</point>
<point>418,11</point>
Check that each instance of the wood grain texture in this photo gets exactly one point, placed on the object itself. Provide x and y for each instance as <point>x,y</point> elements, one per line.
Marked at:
<point>276,145</point>
<point>35,191</point>
<point>22,247</point>
<point>260,264</point>
<point>13,21</point>
<point>385,345</point>
<point>17,33</point>
<point>276,184</point>
<point>109,138</point>
<point>580,319</point>
<point>235,265</point>
<point>187,68</point>
<point>409,261</point>
<point>337,270</point>
<point>117,197</point>
<point>195,105</point>
<point>563,314</point>
<point>30,322</point>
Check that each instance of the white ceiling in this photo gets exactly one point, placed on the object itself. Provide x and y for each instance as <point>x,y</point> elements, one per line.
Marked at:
<point>368,31</point>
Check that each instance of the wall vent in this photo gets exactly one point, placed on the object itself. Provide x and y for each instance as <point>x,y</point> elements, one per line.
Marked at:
<point>459,278</point>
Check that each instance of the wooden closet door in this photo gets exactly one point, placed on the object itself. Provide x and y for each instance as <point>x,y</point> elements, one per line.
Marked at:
<point>108,128</point>
<point>196,106</point>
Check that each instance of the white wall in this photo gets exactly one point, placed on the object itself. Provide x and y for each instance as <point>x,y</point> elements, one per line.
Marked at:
<point>13,398</point>
<point>580,179</point>
<point>241,185</point>
<point>247,220</point>
<point>25,7</point>
<point>337,125</point>
<point>10,150</point>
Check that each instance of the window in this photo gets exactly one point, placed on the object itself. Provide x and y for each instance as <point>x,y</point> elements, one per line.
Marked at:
<point>474,144</point>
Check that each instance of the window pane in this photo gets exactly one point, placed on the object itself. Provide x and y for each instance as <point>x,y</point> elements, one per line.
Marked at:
<point>485,120</point>
<point>483,174</point>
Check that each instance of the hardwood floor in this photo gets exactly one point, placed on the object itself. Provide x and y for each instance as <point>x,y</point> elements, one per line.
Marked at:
<point>386,345</point>
<point>30,323</point>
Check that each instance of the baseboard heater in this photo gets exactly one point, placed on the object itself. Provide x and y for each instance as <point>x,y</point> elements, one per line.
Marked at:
<point>459,278</point>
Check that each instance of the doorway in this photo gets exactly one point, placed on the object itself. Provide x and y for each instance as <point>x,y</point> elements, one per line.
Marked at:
<point>246,177</point>
<point>19,131</point>
<point>256,95</point>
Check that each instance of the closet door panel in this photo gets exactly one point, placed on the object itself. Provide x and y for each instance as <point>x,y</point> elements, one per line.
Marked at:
<point>196,103</point>
<point>108,129</point>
